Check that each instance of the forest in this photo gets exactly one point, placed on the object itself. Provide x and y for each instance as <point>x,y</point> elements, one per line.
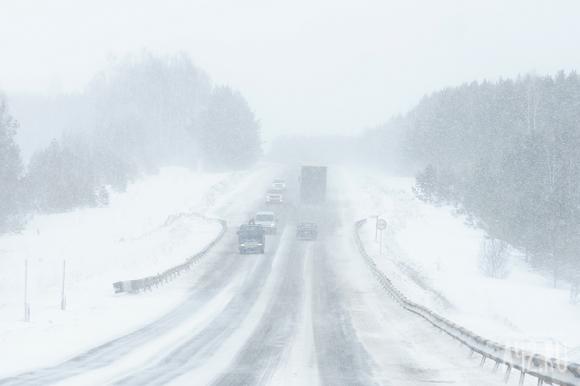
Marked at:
<point>506,155</point>
<point>142,113</point>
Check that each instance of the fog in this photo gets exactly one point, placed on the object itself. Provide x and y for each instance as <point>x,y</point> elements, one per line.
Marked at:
<point>396,168</point>
<point>105,93</point>
<point>305,67</point>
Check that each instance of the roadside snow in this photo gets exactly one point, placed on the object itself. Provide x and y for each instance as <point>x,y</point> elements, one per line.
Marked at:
<point>159,222</point>
<point>433,257</point>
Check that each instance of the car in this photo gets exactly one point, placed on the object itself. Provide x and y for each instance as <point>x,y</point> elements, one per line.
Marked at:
<point>267,219</point>
<point>251,239</point>
<point>279,185</point>
<point>306,231</point>
<point>274,197</point>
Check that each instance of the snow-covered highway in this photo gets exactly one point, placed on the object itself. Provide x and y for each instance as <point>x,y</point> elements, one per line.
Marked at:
<point>304,313</point>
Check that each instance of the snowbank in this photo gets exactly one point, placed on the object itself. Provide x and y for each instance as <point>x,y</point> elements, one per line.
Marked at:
<point>433,256</point>
<point>156,224</point>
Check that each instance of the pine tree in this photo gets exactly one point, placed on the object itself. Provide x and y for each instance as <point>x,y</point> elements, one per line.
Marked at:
<point>10,171</point>
<point>62,179</point>
<point>506,154</point>
<point>230,135</point>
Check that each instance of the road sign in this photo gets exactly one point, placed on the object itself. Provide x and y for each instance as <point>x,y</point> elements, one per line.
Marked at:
<point>381,224</point>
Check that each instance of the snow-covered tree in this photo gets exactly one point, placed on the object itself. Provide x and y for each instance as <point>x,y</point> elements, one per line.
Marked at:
<point>142,113</point>
<point>493,258</point>
<point>506,154</point>
<point>10,171</point>
<point>229,134</point>
<point>146,107</point>
<point>62,178</point>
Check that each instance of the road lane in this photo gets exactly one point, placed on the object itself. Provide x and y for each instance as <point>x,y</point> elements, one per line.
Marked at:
<point>208,279</point>
<point>261,355</point>
<point>224,265</point>
<point>306,312</point>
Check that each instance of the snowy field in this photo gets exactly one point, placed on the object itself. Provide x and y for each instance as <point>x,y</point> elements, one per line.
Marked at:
<point>433,256</point>
<point>159,222</point>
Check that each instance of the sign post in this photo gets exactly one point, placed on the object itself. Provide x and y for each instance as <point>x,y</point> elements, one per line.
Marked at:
<point>381,226</point>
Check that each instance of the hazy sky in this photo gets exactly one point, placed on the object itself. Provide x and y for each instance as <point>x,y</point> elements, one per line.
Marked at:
<point>306,66</point>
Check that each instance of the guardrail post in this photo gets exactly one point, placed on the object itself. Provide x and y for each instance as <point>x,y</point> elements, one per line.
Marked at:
<point>540,381</point>
<point>522,378</point>
<point>508,371</point>
<point>483,358</point>
<point>496,366</point>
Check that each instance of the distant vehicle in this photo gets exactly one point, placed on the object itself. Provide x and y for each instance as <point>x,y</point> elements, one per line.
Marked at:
<point>313,184</point>
<point>307,231</point>
<point>279,184</point>
<point>251,239</point>
<point>274,197</point>
<point>267,220</point>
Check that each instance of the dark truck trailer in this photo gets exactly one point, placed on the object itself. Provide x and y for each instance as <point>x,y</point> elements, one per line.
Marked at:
<point>306,231</point>
<point>313,184</point>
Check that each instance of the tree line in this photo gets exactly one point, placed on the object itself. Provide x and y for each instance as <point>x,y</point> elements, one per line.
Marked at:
<point>143,113</point>
<point>505,154</point>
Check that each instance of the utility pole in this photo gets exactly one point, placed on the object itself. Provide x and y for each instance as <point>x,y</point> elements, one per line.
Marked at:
<point>62,295</point>
<point>26,305</point>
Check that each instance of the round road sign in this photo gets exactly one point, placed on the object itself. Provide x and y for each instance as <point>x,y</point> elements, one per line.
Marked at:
<point>381,224</point>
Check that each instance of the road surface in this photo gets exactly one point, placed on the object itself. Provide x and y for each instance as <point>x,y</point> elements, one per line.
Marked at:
<point>304,313</point>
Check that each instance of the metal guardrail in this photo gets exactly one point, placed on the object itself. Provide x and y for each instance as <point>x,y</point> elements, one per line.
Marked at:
<point>547,370</point>
<point>147,283</point>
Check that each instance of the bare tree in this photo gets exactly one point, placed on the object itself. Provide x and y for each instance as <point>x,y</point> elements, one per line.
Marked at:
<point>493,258</point>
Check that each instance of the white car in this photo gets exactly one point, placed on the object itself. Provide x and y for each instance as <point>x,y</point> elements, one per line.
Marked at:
<point>279,184</point>
<point>274,197</point>
<point>267,220</point>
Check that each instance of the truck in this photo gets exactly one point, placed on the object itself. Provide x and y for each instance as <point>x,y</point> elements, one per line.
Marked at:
<point>313,184</point>
<point>251,239</point>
